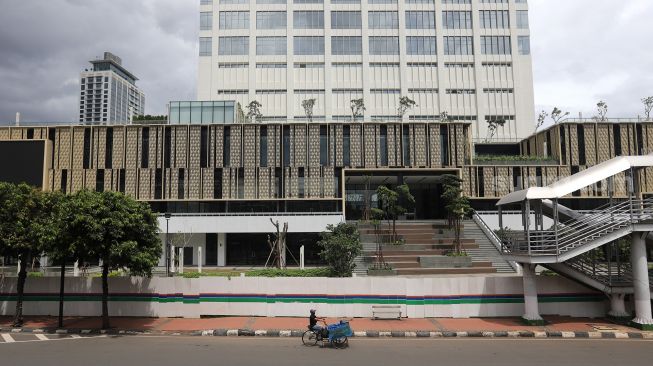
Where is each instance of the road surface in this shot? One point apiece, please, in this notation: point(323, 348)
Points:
point(28, 350)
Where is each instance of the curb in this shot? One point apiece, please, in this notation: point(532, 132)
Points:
point(273, 333)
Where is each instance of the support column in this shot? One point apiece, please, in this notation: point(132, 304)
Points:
point(531, 306)
point(618, 306)
point(643, 318)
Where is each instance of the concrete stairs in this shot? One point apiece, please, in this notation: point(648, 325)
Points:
point(428, 238)
point(486, 251)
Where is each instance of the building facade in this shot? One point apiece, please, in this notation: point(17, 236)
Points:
point(108, 92)
point(468, 58)
point(222, 182)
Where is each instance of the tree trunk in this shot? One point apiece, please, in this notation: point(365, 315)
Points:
point(394, 230)
point(105, 296)
point(62, 281)
point(22, 277)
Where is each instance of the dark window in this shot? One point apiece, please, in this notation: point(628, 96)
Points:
point(264, 146)
point(324, 146)
point(211, 249)
point(563, 145)
point(180, 184)
point(226, 146)
point(286, 146)
point(548, 143)
point(481, 182)
point(217, 183)
point(444, 145)
point(188, 256)
point(516, 178)
point(204, 147)
point(30, 133)
point(538, 175)
point(167, 142)
point(145, 147)
point(278, 183)
point(346, 145)
point(99, 181)
point(300, 182)
point(383, 145)
point(336, 181)
point(581, 145)
point(121, 184)
point(616, 132)
point(64, 181)
point(108, 156)
point(52, 133)
point(240, 184)
point(87, 148)
point(158, 184)
point(405, 145)
point(574, 170)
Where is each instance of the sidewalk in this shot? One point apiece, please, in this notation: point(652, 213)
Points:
point(257, 326)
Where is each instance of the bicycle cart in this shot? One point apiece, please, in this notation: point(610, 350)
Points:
point(337, 334)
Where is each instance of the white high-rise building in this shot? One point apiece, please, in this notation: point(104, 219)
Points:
point(109, 92)
point(468, 58)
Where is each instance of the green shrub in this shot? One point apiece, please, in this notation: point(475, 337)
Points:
point(192, 275)
point(340, 246)
point(273, 272)
point(35, 274)
point(515, 158)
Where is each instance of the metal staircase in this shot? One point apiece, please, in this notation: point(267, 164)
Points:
point(572, 238)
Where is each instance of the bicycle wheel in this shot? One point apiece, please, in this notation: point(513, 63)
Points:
point(309, 338)
point(341, 342)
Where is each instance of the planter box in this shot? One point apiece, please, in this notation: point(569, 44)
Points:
point(381, 272)
point(441, 261)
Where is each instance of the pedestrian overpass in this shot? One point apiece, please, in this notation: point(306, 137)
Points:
point(589, 246)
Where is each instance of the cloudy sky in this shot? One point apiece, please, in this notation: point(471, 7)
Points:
point(583, 51)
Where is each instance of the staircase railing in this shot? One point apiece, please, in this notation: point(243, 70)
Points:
point(575, 233)
point(607, 272)
point(492, 236)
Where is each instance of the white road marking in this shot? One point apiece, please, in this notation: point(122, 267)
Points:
point(7, 338)
point(4, 336)
point(42, 337)
point(75, 336)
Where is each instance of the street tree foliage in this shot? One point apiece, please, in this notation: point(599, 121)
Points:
point(308, 105)
point(557, 116)
point(392, 204)
point(445, 117)
point(22, 229)
point(648, 107)
point(340, 245)
point(118, 231)
point(457, 206)
point(357, 107)
point(405, 103)
point(254, 111)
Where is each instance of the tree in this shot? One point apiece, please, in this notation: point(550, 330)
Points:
point(308, 106)
point(541, 118)
point(492, 125)
point(602, 111)
point(357, 107)
point(117, 230)
point(648, 107)
point(340, 246)
point(58, 245)
point(278, 245)
point(254, 111)
point(394, 203)
point(445, 117)
point(405, 103)
point(558, 116)
point(22, 224)
point(457, 206)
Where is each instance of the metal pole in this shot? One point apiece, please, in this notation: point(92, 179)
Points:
point(527, 221)
point(167, 250)
point(556, 220)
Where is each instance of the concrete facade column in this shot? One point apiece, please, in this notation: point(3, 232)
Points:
point(618, 306)
point(531, 306)
point(641, 285)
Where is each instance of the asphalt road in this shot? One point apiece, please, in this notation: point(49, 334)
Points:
point(161, 351)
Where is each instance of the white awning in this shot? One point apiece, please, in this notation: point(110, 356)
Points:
point(579, 180)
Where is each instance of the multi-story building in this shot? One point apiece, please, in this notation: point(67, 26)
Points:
point(223, 181)
point(468, 58)
point(108, 92)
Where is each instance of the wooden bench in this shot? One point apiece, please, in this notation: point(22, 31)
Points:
point(386, 311)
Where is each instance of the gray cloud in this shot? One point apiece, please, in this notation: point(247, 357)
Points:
point(583, 51)
point(45, 44)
